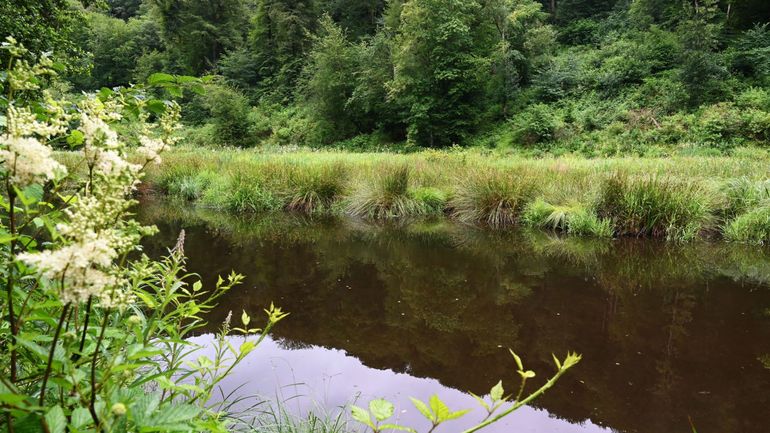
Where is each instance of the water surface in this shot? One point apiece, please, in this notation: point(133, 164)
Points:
point(668, 332)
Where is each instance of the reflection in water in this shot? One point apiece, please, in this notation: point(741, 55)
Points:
point(667, 332)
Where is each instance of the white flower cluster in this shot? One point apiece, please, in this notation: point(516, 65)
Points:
point(151, 149)
point(28, 161)
point(76, 267)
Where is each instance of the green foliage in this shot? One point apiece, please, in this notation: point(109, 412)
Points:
point(387, 195)
point(95, 334)
point(228, 112)
point(752, 226)
point(492, 197)
point(438, 413)
point(572, 219)
point(654, 206)
point(438, 62)
point(197, 33)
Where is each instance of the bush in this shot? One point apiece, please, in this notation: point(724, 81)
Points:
point(536, 124)
point(228, 113)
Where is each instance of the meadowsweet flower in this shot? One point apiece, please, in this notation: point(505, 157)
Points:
point(109, 163)
point(150, 149)
point(98, 133)
point(22, 122)
point(28, 161)
point(77, 267)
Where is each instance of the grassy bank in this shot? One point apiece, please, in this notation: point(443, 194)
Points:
point(679, 198)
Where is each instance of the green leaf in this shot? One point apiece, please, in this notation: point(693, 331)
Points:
point(529, 374)
point(156, 106)
point(481, 402)
point(159, 78)
point(556, 361)
point(75, 138)
point(56, 420)
point(423, 408)
point(361, 415)
point(518, 360)
point(381, 409)
point(457, 414)
point(497, 392)
point(80, 418)
point(439, 408)
point(245, 319)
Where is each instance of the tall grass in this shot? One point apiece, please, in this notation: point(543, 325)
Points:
point(677, 198)
point(656, 206)
point(386, 195)
point(492, 197)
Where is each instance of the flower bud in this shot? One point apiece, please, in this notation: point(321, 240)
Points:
point(118, 409)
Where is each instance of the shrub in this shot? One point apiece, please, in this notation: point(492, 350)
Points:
point(752, 226)
point(655, 206)
point(492, 197)
point(228, 113)
point(536, 124)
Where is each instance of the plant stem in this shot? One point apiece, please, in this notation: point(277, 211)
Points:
point(518, 404)
point(9, 286)
point(85, 328)
point(63, 316)
point(92, 402)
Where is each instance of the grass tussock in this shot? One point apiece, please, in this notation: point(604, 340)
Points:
point(387, 195)
point(492, 197)
point(678, 198)
point(574, 219)
point(314, 188)
point(752, 227)
point(656, 206)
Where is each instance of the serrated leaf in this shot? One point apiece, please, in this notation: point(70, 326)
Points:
point(55, 419)
point(439, 408)
point(245, 319)
point(423, 408)
point(381, 409)
point(80, 418)
point(361, 415)
point(456, 414)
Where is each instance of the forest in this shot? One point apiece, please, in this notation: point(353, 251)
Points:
point(594, 77)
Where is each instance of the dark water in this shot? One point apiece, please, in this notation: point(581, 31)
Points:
point(667, 332)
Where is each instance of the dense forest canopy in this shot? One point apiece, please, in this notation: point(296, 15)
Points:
point(581, 75)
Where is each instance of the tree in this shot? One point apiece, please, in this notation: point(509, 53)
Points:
point(43, 25)
point(438, 63)
point(198, 32)
point(357, 17)
point(328, 85)
point(279, 41)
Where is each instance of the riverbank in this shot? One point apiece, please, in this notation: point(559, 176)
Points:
point(677, 198)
